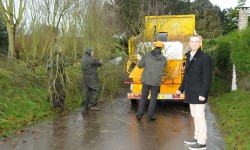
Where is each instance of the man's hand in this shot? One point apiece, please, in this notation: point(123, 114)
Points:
point(139, 56)
point(178, 92)
point(201, 98)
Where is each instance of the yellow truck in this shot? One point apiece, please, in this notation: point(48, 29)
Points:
point(174, 31)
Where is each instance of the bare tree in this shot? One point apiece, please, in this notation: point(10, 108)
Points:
point(54, 11)
point(12, 18)
point(75, 24)
point(43, 20)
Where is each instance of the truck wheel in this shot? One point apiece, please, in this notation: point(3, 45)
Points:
point(185, 104)
point(160, 102)
point(134, 101)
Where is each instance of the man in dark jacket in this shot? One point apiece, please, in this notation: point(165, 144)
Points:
point(91, 90)
point(196, 84)
point(153, 64)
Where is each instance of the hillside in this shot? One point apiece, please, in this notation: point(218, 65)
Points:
point(23, 95)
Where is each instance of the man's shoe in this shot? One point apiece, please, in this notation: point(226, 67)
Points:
point(197, 146)
point(95, 109)
point(151, 119)
point(192, 141)
point(86, 108)
point(138, 117)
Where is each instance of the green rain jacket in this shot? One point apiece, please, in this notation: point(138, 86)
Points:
point(89, 66)
point(153, 64)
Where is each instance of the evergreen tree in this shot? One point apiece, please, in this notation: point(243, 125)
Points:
point(3, 36)
point(207, 18)
point(241, 3)
point(174, 7)
point(229, 20)
point(132, 12)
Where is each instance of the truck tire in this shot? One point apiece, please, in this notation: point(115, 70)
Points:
point(134, 101)
point(160, 102)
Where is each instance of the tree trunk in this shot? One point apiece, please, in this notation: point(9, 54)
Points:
point(11, 35)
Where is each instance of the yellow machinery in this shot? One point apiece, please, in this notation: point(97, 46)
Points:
point(174, 31)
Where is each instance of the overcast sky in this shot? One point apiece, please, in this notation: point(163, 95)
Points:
point(228, 3)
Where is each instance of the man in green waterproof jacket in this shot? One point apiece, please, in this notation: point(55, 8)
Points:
point(91, 88)
point(153, 63)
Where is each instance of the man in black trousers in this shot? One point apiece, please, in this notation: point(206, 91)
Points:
point(153, 63)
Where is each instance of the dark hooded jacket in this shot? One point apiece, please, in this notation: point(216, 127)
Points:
point(153, 64)
point(197, 77)
point(89, 66)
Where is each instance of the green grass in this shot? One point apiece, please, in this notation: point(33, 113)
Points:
point(232, 113)
point(23, 95)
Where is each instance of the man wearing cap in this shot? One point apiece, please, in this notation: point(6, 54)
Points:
point(153, 63)
point(91, 89)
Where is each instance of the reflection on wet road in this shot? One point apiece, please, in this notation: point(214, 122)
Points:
point(115, 128)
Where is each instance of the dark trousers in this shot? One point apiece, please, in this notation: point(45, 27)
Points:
point(90, 96)
point(154, 94)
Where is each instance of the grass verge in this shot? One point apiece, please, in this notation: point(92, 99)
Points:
point(23, 95)
point(232, 113)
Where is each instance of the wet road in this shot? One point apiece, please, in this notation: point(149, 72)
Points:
point(115, 128)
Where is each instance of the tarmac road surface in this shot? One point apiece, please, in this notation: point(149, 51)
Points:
point(115, 128)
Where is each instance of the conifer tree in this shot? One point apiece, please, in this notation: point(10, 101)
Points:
point(207, 18)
